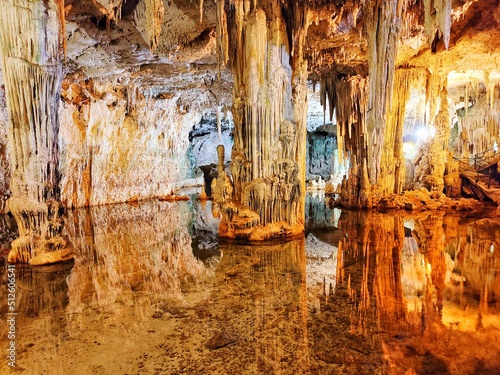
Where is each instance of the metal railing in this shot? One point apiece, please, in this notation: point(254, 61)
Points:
point(480, 163)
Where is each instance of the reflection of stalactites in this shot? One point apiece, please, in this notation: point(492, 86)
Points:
point(364, 299)
point(277, 290)
point(381, 274)
point(431, 243)
point(384, 278)
point(40, 291)
point(340, 264)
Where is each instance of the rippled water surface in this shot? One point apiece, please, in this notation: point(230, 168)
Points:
point(153, 290)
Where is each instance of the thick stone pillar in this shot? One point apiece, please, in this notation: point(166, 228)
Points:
point(263, 45)
point(30, 38)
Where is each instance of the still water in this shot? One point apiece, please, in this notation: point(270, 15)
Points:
point(153, 290)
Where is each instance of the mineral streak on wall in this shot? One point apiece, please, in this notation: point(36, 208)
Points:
point(31, 53)
point(263, 45)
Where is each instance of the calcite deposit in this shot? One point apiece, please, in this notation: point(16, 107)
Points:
point(103, 99)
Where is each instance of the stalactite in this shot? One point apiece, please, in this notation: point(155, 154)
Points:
point(264, 50)
point(405, 80)
point(32, 69)
point(62, 23)
point(201, 11)
point(478, 118)
point(219, 127)
point(381, 29)
point(438, 21)
point(155, 12)
point(433, 155)
point(347, 95)
point(112, 9)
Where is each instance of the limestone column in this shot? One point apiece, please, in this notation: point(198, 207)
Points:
point(31, 50)
point(262, 43)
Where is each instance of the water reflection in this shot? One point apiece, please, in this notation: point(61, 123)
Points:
point(153, 290)
point(427, 290)
point(123, 249)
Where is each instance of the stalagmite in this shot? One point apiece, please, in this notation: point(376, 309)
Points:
point(264, 49)
point(31, 57)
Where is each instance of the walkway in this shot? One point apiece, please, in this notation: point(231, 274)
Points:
point(481, 174)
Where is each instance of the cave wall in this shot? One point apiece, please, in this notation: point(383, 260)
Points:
point(108, 155)
point(319, 157)
point(121, 143)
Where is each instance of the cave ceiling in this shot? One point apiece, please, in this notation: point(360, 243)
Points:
point(108, 38)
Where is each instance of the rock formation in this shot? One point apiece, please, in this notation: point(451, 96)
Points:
point(116, 87)
point(263, 44)
point(31, 39)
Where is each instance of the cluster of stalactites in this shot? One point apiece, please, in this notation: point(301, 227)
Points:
point(30, 33)
point(438, 21)
point(291, 15)
point(21, 22)
point(262, 43)
point(479, 118)
point(347, 96)
point(155, 12)
point(257, 50)
point(32, 72)
point(112, 9)
point(406, 81)
point(382, 23)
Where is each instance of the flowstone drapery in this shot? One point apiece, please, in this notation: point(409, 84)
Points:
point(31, 48)
point(263, 45)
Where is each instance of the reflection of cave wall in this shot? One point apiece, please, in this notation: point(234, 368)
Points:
point(320, 147)
point(41, 291)
point(477, 258)
point(318, 215)
point(122, 249)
